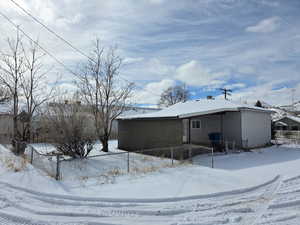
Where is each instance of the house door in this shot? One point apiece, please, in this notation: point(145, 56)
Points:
point(186, 131)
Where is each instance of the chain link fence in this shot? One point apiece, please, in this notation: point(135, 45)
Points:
point(104, 165)
point(287, 137)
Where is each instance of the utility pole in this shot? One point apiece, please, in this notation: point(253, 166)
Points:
point(226, 92)
point(293, 98)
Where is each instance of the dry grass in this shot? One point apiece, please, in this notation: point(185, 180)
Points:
point(15, 164)
point(154, 168)
point(147, 158)
point(114, 172)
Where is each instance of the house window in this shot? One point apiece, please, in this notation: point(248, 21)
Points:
point(196, 124)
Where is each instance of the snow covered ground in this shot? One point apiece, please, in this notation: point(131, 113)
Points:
point(260, 187)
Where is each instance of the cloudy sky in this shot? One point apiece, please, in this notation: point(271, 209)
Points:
point(250, 46)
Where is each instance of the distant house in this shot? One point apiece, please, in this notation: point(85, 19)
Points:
point(293, 108)
point(41, 123)
point(192, 122)
point(6, 123)
point(288, 123)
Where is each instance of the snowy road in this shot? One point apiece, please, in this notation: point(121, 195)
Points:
point(275, 202)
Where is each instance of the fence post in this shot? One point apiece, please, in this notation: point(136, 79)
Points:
point(190, 154)
point(57, 177)
point(172, 156)
point(31, 157)
point(128, 168)
point(233, 146)
point(226, 146)
point(212, 157)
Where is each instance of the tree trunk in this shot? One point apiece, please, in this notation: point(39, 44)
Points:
point(104, 141)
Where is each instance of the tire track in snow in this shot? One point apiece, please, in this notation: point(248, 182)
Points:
point(231, 207)
point(267, 199)
point(285, 207)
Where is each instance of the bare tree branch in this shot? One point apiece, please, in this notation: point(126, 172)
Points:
point(12, 69)
point(70, 128)
point(99, 86)
point(173, 95)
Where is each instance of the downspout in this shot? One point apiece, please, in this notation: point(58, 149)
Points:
point(221, 126)
point(241, 127)
point(189, 131)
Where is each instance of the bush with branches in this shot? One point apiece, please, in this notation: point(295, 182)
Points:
point(71, 129)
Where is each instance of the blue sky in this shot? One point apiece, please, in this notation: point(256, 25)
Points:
point(251, 46)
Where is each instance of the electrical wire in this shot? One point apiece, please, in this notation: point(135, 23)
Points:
point(69, 43)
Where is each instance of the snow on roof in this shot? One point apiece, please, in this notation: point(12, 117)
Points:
point(295, 107)
point(196, 108)
point(138, 111)
point(294, 118)
point(279, 123)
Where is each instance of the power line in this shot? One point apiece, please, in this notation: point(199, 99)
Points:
point(50, 30)
point(51, 55)
point(68, 43)
point(41, 47)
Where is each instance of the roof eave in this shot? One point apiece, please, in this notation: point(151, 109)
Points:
point(149, 118)
point(208, 112)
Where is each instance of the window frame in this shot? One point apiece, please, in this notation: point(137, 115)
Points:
point(196, 124)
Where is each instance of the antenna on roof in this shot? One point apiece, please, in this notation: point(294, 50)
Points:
point(226, 92)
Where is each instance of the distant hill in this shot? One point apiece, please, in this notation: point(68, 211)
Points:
point(281, 111)
point(294, 108)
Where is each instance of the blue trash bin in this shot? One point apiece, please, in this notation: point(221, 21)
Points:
point(215, 139)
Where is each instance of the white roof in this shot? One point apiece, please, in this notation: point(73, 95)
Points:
point(295, 118)
point(280, 123)
point(196, 108)
point(138, 111)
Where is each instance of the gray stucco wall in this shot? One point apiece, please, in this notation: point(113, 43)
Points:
point(146, 134)
point(228, 123)
point(232, 127)
point(209, 124)
point(256, 128)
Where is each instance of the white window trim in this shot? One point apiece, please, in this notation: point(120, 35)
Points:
point(194, 122)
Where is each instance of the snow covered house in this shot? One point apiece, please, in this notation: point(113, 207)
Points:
point(288, 122)
point(191, 122)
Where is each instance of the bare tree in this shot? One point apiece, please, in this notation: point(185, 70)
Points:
point(34, 85)
point(12, 68)
point(258, 104)
point(71, 128)
point(4, 95)
point(101, 89)
point(173, 95)
point(23, 80)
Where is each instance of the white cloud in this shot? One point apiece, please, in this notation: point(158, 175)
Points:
point(156, 1)
point(153, 52)
point(129, 60)
point(147, 69)
point(151, 92)
point(155, 66)
point(235, 85)
point(267, 93)
point(266, 25)
point(194, 74)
